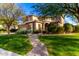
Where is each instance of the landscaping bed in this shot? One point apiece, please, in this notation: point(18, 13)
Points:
point(16, 43)
point(61, 45)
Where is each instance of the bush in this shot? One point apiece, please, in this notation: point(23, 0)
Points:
point(60, 30)
point(37, 31)
point(73, 28)
point(68, 28)
point(21, 31)
point(13, 30)
point(76, 28)
point(2, 30)
point(52, 28)
point(44, 32)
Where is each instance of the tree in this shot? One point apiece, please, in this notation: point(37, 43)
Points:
point(46, 9)
point(72, 8)
point(9, 14)
point(25, 18)
point(58, 9)
point(55, 11)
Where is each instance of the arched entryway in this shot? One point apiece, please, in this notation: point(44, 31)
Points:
point(46, 26)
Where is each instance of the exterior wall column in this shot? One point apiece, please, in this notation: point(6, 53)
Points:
point(43, 26)
point(33, 26)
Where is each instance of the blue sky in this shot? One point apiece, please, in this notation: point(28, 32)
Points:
point(28, 10)
point(26, 7)
point(71, 20)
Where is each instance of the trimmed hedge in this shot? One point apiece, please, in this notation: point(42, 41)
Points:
point(76, 28)
point(52, 28)
point(2, 29)
point(13, 30)
point(36, 31)
point(60, 30)
point(21, 31)
point(68, 28)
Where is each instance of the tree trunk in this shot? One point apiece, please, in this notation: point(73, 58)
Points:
point(8, 30)
point(77, 18)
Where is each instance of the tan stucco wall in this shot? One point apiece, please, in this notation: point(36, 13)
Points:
point(37, 26)
point(35, 18)
point(47, 20)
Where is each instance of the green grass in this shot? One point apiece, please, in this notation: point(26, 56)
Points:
point(15, 43)
point(61, 45)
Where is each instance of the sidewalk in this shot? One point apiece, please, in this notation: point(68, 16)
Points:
point(7, 53)
point(39, 48)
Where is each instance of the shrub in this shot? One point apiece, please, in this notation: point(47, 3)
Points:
point(22, 31)
point(68, 28)
point(76, 28)
point(13, 30)
point(73, 28)
point(52, 28)
point(60, 30)
point(44, 32)
point(36, 31)
point(2, 29)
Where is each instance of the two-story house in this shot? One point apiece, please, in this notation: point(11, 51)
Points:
point(37, 23)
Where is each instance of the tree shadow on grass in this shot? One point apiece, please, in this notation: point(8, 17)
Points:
point(15, 43)
point(61, 45)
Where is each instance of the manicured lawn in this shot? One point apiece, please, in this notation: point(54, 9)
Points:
point(62, 45)
point(15, 43)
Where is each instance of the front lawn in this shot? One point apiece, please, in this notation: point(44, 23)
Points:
point(61, 45)
point(15, 43)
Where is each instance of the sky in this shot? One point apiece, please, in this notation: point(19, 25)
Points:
point(71, 20)
point(28, 10)
point(26, 7)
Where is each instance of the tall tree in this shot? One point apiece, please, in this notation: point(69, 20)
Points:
point(58, 9)
point(9, 14)
point(46, 9)
point(72, 8)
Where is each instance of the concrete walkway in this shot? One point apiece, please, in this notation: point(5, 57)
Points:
point(7, 53)
point(38, 48)
point(4, 52)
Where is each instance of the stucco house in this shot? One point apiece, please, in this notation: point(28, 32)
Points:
point(37, 23)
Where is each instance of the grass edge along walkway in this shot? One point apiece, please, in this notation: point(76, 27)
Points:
point(39, 48)
point(16, 43)
point(61, 45)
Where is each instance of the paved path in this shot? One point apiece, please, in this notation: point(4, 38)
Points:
point(7, 53)
point(38, 48)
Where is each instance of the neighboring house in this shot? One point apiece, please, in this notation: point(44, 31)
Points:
point(37, 23)
point(14, 27)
